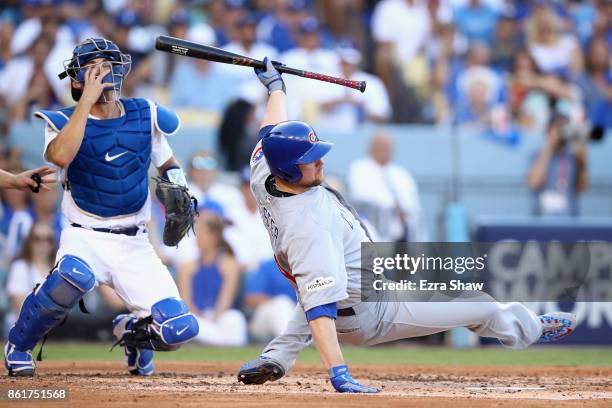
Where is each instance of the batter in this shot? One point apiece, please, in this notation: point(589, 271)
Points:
point(316, 237)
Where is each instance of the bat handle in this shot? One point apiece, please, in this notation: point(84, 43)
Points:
point(359, 85)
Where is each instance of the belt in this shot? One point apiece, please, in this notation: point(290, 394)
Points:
point(130, 231)
point(349, 311)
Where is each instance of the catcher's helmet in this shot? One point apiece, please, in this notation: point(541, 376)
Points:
point(93, 48)
point(289, 144)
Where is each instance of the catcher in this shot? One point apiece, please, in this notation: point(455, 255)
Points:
point(103, 147)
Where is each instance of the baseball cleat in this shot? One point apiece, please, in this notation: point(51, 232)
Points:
point(260, 370)
point(139, 361)
point(557, 325)
point(18, 363)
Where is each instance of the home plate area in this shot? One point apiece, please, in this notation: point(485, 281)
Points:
point(105, 384)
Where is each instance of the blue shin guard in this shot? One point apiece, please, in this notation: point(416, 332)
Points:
point(44, 309)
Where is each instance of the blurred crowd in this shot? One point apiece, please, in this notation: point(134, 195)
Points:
point(502, 67)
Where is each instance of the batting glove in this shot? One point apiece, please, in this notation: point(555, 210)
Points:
point(270, 77)
point(342, 381)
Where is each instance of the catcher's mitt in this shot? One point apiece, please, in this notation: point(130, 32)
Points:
point(180, 210)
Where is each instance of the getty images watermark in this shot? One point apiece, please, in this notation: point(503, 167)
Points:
point(412, 264)
point(505, 271)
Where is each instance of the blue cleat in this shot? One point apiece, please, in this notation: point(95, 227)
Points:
point(139, 361)
point(557, 325)
point(18, 363)
point(260, 370)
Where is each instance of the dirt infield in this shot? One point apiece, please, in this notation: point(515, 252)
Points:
point(104, 384)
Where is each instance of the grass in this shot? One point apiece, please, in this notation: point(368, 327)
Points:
point(406, 355)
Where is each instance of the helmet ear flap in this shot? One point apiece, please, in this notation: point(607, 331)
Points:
point(282, 174)
point(288, 177)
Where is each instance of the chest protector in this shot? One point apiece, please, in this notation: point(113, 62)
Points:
point(108, 177)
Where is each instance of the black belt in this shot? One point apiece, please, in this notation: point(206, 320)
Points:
point(130, 231)
point(349, 311)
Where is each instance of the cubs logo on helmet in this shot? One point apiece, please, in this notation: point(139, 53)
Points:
point(257, 154)
point(312, 137)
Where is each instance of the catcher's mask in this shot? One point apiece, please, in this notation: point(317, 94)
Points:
point(91, 49)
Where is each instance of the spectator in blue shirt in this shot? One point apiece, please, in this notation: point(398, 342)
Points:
point(508, 41)
point(477, 22)
point(202, 85)
point(279, 27)
point(198, 83)
point(596, 83)
point(210, 284)
point(582, 15)
point(272, 299)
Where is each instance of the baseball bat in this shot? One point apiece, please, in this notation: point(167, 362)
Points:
point(192, 49)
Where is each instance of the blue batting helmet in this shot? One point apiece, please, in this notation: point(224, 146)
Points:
point(289, 144)
point(91, 49)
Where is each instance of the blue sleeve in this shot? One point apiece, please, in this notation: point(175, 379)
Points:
point(264, 131)
point(329, 310)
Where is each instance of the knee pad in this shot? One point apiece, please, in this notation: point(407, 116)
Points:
point(49, 304)
point(169, 326)
point(70, 280)
point(173, 323)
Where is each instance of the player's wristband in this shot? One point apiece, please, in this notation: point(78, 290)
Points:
point(329, 310)
point(175, 175)
point(341, 380)
point(338, 370)
point(277, 85)
point(36, 177)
